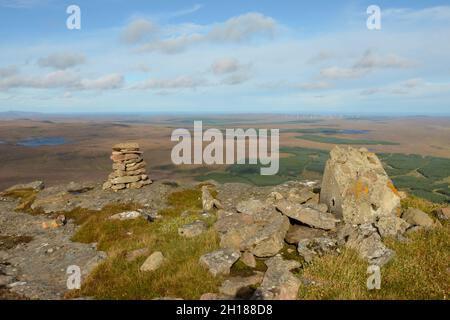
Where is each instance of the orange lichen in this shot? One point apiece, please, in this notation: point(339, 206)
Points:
point(360, 188)
point(393, 188)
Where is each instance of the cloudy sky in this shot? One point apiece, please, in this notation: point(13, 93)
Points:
point(225, 56)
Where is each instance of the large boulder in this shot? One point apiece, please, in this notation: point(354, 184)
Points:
point(356, 187)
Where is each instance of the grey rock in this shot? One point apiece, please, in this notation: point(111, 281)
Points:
point(35, 185)
point(250, 206)
point(248, 259)
point(193, 229)
point(279, 283)
point(74, 187)
point(127, 215)
point(219, 262)
point(240, 287)
point(309, 216)
point(355, 186)
point(297, 233)
point(391, 226)
point(208, 201)
point(367, 242)
point(417, 217)
point(153, 262)
point(300, 195)
point(269, 239)
point(316, 247)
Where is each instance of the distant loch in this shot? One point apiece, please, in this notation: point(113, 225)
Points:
point(41, 141)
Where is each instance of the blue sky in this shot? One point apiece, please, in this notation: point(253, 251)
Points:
point(225, 56)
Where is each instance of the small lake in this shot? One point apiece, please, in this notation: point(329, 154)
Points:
point(41, 141)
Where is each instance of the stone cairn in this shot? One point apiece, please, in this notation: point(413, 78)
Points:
point(129, 168)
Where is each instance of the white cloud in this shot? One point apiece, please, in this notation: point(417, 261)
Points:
point(22, 4)
point(8, 71)
point(313, 85)
point(243, 28)
point(187, 11)
point(181, 82)
point(437, 13)
point(322, 56)
point(236, 78)
point(139, 30)
point(366, 64)
point(107, 82)
point(371, 61)
point(62, 61)
point(236, 30)
point(342, 73)
point(225, 65)
point(61, 79)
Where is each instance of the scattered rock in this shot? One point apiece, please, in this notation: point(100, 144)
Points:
point(74, 187)
point(193, 229)
point(268, 240)
point(251, 206)
point(35, 185)
point(153, 262)
point(391, 226)
point(367, 242)
point(133, 255)
point(317, 247)
point(274, 195)
point(208, 201)
point(446, 212)
point(309, 216)
point(356, 186)
point(219, 262)
point(300, 196)
point(213, 296)
point(297, 233)
point(127, 215)
point(240, 287)
point(417, 217)
point(279, 283)
point(443, 214)
point(248, 259)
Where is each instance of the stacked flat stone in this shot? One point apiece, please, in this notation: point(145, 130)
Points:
point(129, 168)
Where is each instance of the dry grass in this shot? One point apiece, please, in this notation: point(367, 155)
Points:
point(420, 269)
point(180, 276)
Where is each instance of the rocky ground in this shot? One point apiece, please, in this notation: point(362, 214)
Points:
point(34, 258)
point(356, 206)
